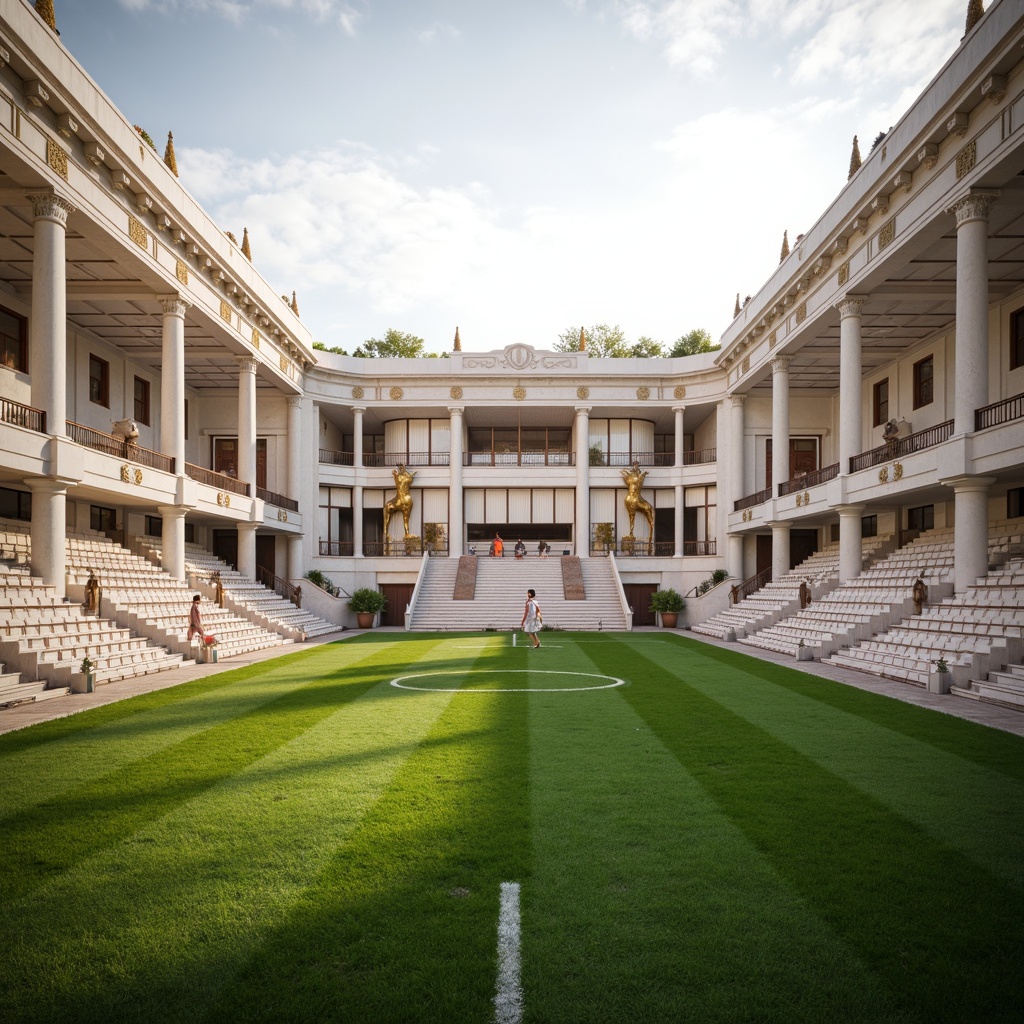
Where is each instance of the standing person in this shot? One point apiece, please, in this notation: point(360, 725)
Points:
point(195, 619)
point(543, 548)
point(497, 546)
point(520, 549)
point(532, 619)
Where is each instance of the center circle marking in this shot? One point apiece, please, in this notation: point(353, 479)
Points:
point(399, 682)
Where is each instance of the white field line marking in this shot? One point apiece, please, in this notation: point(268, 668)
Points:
point(399, 681)
point(508, 997)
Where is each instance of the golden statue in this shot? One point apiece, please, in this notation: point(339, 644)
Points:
point(401, 502)
point(635, 501)
point(93, 593)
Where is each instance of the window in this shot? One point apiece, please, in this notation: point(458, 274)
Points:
point(13, 341)
point(921, 518)
point(15, 504)
point(923, 377)
point(1015, 503)
point(869, 526)
point(142, 401)
point(880, 403)
point(154, 526)
point(102, 519)
point(99, 381)
point(186, 419)
point(1017, 339)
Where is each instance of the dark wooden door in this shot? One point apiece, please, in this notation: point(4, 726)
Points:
point(764, 552)
point(266, 551)
point(638, 597)
point(225, 546)
point(398, 595)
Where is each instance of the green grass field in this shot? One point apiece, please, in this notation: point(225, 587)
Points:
point(717, 840)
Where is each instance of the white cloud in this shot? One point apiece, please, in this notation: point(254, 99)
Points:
point(438, 30)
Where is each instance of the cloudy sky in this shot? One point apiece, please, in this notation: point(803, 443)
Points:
point(513, 167)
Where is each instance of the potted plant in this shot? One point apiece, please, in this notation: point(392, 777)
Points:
point(939, 681)
point(90, 677)
point(366, 602)
point(668, 603)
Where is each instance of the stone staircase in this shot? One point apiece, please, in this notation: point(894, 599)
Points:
point(500, 595)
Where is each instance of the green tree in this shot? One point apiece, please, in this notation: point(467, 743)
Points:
point(697, 340)
point(646, 348)
point(394, 343)
point(602, 340)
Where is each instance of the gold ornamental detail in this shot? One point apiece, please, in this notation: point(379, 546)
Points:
point(225, 311)
point(844, 274)
point(519, 392)
point(887, 233)
point(803, 499)
point(126, 473)
point(282, 515)
point(255, 338)
point(680, 391)
point(643, 393)
point(284, 364)
point(456, 392)
point(748, 514)
point(181, 271)
point(582, 392)
point(883, 475)
point(897, 471)
point(137, 233)
point(966, 159)
point(396, 394)
point(224, 499)
point(57, 158)
point(357, 392)
point(801, 312)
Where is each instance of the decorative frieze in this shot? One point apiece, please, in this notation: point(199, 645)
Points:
point(844, 274)
point(887, 233)
point(255, 338)
point(643, 393)
point(801, 312)
point(455, 392)
point(225, 311)
point(181, 271)
point(966, 159)
point(680, 391)
point(224, 499)
point(519, 392)
point(396, 394)
point(583, 392)
point(357, 391)
point(57, 158)
point(138, 233)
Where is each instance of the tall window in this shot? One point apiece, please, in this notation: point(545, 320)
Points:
point(142, 401)
point(1017, 339)
point(880, 403)
point(924, 371)
point(99, 381)
point(13, 341)
point(1015, 503)
point(921, 518)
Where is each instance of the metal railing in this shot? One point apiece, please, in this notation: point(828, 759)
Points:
point(1006, 411)
point(519, 458)
point(280, 587)
point(118, 447)
point(221, 481)
point(331, 458)
point(337, 548)
point(700, 547)
point(752, 499)
point(902, 446)
point(375, 459)
point(700, 458)
point(818, 476)
point(22, 415)
point(272, 498)
point(391, 549)
point(750, 585)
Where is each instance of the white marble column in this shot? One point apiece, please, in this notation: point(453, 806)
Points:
point(247, 425)
point(780, 550)
point(970, 532)
point(47, 532)
point(357, 436)
point(736, 480)
point(456, 524)
point(295, 448)
point(680, 436)
point(296, 567)
point(172, 540)
point(582, 528)
point(679, 521)
point(850, 541)
point(247, 549)
point(357, 520)
point(971, 307)
point(780, 422)
point(48, 322)
point(172, 380)
point(850, 386)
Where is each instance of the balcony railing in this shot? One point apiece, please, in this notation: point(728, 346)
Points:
point(700, 547)
point(700, 458)
point(22, 415)
point(336, 458)
point(799, 483)
point(221, 481)
point(271, 498)
point(374, 459)
point(902, 447)
point(118, 447)
point(337, 548)
point(519, 459)
point(993, 415)
point(753, 499)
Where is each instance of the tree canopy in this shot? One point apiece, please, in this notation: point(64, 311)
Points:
point(394, 344)
point(611, 343)
point(697, 340)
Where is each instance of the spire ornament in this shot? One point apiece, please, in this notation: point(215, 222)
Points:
point(736, 308)
point(44, 8)
point(975, 10)
point(785, 247)
point(169, 157)
point(457, 345)
point(855, 160)
point(246, 250)
point(583, 341)
point(295, 304)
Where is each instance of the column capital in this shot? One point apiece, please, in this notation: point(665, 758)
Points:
point(679, 408)
point(173, 305)
point(50, 206)
point(966, 482)
point(974, 205)
point(358, 410)
point(850, 305)
point(780, 364)
point(737, 400)
point(295, 401)
point(583, 409)
point(850, 510)
point(247, 364)
point(456, 410)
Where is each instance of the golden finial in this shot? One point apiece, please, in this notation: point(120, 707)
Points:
point(457, 347)
point(583, 341)
point(854, 159)
point(169, 158)
point(785, 246)
point(231, 235)
point(295, 304)
point(44, 8)
point(975, 10)
point(246, 251)
point(736, 310)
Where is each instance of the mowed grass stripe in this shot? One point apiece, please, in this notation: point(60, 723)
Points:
point(975, 808)
point(155, 926)
point(899, 897)
point(648, 904)
point(92, 743)
point(43, 840)
point(401, 927)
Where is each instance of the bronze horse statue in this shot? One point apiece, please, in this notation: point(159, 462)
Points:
point(635, 501)
point(401, 502)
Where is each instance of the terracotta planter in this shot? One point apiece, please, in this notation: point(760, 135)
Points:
point(365, 619)
point(669, 619)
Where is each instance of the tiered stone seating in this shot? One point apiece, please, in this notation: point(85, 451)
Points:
point(141, 596)
point(45, 639)
point(269, 607)
point(879, 596)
